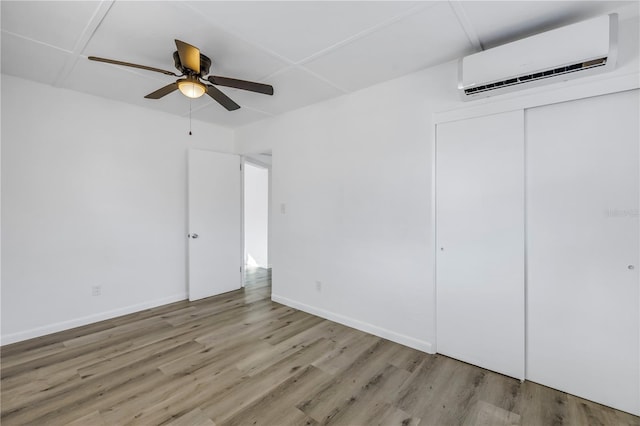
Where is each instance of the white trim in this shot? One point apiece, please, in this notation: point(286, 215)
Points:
point(241, 166)
point(90, 319)
point(434, 236)
point(269, 217)
point(402, 339)
point(255, 162)
point(243, 248)
point(526, 244)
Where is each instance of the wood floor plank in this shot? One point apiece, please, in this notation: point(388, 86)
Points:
point(92, 393)
point(409, 359)
point(94, 419)
point(218, 356)
point(486, 414)
point(241, 359)
point(111, 333)
point(194, 417)
point(167, 403)
point(456, 400)
point(42, 387)
point(381, 414)
point(55, 338)
point(243, 329)
point(269, 409)
point(349, 347)
point(542, 404)
point(269, 354)
point(377, 392)
point(331, 398)
point(55, 377)
point(427, 390)
point(11, 360)
point(499, 391)
point(292, 327)
point(77, 356)
point(231, 401)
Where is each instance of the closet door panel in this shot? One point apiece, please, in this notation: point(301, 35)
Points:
point(583, 321)
point(480, 241)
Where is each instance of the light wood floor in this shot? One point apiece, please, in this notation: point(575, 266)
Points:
point(241, 359)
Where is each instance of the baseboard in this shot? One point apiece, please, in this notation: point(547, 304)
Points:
point(78, 322)
point(411, 342)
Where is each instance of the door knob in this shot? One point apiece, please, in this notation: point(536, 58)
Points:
point(192, 236)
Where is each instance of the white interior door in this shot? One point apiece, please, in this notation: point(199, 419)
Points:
point(215, 218)
point(480, 241)
point(582, 226)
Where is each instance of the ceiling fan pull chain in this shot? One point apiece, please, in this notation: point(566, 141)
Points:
point(189, 117)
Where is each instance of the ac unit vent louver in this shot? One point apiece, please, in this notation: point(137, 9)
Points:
point(580, 49)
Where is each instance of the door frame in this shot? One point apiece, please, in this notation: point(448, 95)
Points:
point(246, 159)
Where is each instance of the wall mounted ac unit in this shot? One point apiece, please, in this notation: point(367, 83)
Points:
point(577, 50)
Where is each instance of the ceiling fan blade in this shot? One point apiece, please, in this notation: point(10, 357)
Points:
point(221, 98)
point(128, 64)
point(242, 84)
point(164, 91)
point(189, 56)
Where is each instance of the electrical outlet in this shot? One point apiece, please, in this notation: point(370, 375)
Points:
point(96, 290)
point(318, 286)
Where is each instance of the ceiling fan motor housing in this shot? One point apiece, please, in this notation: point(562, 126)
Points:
point(205, 65)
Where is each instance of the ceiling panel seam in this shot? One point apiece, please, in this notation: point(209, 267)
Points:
point(268, 51)
point(319, 77)
point(367, 31)
point(258, 111)
point(86, 36)
point(466, 25)
point(33, 40)
point(308, 71)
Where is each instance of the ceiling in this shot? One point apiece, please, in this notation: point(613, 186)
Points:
point(309, 51)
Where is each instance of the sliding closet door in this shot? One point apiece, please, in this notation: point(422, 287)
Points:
point(582, 249)
point(480, 241)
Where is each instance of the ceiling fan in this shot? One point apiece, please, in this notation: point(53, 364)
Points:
point(194, 66)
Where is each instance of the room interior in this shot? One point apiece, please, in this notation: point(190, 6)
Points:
point(380, 173)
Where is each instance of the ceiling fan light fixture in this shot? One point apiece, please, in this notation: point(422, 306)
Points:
point(192, 88)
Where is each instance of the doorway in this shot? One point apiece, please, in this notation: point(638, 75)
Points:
point(256, 217)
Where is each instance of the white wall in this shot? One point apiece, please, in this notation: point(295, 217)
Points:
point(355, 176)
point(93, 193)
point(256, 214)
